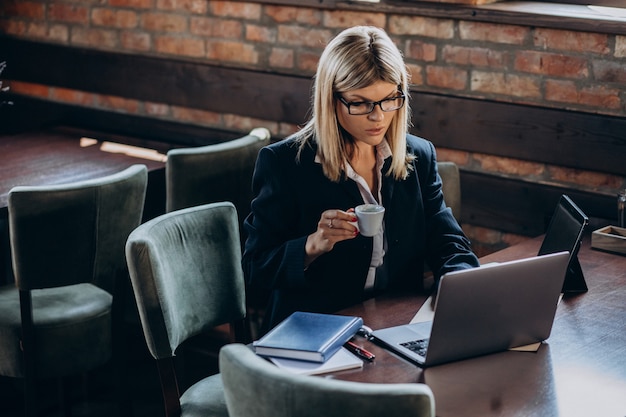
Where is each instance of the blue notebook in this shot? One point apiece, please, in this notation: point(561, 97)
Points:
point(311, 337)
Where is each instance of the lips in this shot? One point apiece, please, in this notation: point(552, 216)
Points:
point(375, 131)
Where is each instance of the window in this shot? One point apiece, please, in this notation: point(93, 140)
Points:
point(606, 3)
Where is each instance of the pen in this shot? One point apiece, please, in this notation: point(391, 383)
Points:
point(359, 351)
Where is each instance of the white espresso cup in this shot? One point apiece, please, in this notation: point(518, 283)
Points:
point(369, 218)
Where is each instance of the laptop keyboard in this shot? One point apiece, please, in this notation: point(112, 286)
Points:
point(417, 346)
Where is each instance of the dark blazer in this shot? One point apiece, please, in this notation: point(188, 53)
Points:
point(289, 197)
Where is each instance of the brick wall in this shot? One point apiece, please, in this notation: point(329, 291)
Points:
point(580, 71)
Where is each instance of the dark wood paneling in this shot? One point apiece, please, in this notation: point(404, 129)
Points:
point(183, 83)
point(566, 138)
point(523, 207)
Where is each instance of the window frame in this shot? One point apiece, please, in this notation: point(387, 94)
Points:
point(606, 3)
point(554, 14)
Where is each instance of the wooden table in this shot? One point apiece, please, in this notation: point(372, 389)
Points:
point(579, 371)
point(66, 155)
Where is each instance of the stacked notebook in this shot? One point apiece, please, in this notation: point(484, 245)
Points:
point(311, 343)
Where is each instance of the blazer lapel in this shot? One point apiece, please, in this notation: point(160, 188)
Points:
point(388, 183)
point(352, 189)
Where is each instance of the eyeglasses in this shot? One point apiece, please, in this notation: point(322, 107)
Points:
point(366, 107)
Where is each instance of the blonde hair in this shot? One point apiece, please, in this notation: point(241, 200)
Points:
point(356, 58)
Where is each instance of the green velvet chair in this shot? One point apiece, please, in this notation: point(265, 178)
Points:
point(256, 388)
point(212, 173)
point(67, 248)
point(185, 269)
point(451, 184)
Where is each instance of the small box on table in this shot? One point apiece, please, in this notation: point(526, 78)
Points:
point(609, 238)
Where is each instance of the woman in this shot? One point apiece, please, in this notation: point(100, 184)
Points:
point(302, 244)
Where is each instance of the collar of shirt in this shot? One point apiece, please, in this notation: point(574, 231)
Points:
point(383, 151)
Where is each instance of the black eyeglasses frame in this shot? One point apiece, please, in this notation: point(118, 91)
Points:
point(348, 104)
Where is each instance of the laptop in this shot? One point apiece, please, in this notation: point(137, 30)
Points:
point(564, 234)
point(484, 310)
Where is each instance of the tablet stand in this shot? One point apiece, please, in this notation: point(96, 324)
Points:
point(574, 277)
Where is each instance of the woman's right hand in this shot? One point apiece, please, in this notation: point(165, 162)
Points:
point(333, 226)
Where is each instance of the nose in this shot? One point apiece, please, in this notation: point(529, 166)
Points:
point(377, 113)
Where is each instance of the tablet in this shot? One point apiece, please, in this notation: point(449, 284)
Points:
point(564, 234)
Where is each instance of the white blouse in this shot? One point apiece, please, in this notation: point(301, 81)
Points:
point(383, 151)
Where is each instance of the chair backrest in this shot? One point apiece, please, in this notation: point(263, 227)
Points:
point(208, 174)
point(451, 183)
point(255, 388)
point(185, 269)
point(75, 233)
